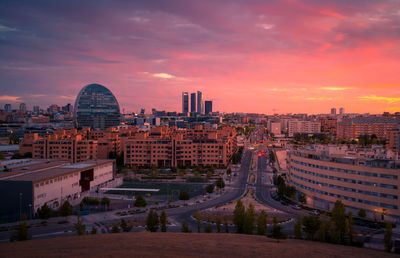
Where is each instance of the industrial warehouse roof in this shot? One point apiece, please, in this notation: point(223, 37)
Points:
point(39, 170)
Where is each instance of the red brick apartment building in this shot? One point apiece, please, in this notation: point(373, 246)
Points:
point(160, 146)
point(380, 126)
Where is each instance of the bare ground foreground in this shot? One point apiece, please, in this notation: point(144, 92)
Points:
point(147, 244)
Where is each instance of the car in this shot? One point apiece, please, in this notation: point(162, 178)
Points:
point(296, 207)
point(314, 212)
point(284, 203)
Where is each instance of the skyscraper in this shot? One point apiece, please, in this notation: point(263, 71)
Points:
point(208, 107)
point(22, 107)
point(185, 102)
point(333, 111)
point(96, 107)
point(193, 103)
point(7, 107)
point(341, 111)
point(36, 110)
point(200, 104)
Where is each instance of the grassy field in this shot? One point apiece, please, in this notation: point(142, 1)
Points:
point(147, 244)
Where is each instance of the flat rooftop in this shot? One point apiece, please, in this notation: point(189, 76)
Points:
point(38, 170)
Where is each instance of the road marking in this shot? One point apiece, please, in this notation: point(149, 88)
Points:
point(49, 234)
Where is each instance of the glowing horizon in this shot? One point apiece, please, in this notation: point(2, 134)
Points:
point(247, 56)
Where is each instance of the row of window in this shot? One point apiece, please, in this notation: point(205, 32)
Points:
point(389, 196)
point(343, 197)
point(347, 171)
point(353, 181)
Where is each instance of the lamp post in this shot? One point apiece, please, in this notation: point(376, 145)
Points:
point(20, 203)
point(30, 211)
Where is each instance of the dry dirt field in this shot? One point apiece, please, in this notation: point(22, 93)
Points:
point(147, 244)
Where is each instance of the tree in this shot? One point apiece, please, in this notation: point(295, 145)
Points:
point(362, 213)
point(1, 155)
point(185, 227)
point(94, 230)
point(322, 231)
point(125, 227)
point(229, 171)
point(80, 227)
point(220, 183)
point(184, 195)
point(114, 228)
point(349, 230)
point(140, 201)
point(208, 228)
point(302, 198)
point(218, 224)
point(311, 225)
point(22, 231)
point(249, 218)
point(262, 223)
point(152, 221)
point(44, 212)
point(210, 188)
point(297, 228)
point(65, 209)
point(105, 202)
point(277, 229)
point(209, 174)
point(339, 218)
point(388, 237)
point(197, 216)
point(163, 221)
point(226, 224)
point(238, 217)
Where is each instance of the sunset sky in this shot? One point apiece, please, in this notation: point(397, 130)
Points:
point(247, 56)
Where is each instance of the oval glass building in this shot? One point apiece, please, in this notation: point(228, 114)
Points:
point(96, 107)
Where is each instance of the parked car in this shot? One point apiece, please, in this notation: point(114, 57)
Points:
point(314, 212)
point(296, 207)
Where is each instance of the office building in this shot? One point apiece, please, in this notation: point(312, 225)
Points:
point(200, 105)
point(361, 178)
point(96, 107)
point(27, 184)
point(208, 107)
point(193, 103)
point(185, 103)
point(7, 107)
point(36, 110)
point(22, 107)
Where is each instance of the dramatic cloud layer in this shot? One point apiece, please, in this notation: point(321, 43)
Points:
point(250, 56)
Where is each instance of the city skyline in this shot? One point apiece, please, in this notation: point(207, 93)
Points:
point(262, 57)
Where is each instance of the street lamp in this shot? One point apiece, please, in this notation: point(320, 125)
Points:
point(30, 211)
point(20, 203)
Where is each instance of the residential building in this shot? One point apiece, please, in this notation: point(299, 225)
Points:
point(352, 128)
point(366, 179)
point(301, 127)
point(188, 147)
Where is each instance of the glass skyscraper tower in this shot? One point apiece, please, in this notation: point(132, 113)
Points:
point(96, 107)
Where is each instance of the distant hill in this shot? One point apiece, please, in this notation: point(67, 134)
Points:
point(147, 244)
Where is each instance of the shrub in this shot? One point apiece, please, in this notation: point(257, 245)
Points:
point(140, 201)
